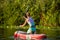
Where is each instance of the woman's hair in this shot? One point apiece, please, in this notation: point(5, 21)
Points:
point(26, 14)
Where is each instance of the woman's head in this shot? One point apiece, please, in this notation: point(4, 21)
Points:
point(27, 15)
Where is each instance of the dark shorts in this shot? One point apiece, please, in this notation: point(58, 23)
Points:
point(33, 28)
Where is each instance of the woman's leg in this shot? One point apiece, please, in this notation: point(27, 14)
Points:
point(28, 36)
point(29, 31)
point(33, 30)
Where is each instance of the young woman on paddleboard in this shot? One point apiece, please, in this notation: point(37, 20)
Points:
point(30, 21)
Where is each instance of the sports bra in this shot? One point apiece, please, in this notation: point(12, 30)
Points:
point(31, 22)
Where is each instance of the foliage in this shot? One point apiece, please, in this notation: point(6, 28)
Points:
point(44, 12)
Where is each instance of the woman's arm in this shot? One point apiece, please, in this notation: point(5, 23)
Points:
point(23, 24)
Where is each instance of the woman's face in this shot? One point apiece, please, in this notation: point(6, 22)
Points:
point(27, 14)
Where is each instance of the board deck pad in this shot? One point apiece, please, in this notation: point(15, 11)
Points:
point(25, 36)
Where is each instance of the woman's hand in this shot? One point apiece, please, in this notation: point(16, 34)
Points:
point(21, 25)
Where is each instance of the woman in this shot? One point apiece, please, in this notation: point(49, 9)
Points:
point(30, 21)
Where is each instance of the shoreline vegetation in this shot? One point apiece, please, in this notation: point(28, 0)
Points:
point(38, 27)
point(25, 28)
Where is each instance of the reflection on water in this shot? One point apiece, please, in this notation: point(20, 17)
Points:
point(7, 34)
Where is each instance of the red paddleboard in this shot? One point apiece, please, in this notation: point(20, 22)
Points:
point(24, 36)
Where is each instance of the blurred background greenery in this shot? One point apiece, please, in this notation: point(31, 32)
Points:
point(44, 12)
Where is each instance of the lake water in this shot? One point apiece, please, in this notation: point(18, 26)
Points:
point(7, 34)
